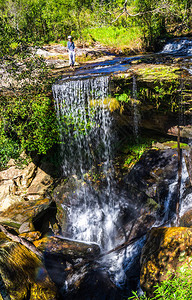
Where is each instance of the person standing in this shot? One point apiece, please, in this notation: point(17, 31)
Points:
point(71, 50)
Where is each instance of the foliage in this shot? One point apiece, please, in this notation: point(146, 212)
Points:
point(30, 121)
point(124, 98)
point(174, 287)
point(135, 149)
point(112, 23)
point(163, 94)
point(9, 148)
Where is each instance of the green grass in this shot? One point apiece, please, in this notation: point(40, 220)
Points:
point(176, 287)
point(120, 38)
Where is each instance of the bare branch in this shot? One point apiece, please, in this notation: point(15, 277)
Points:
point(22, 241)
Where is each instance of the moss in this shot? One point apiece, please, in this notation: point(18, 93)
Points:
point(23, 273)
point(110, 103)
point(158, 72)
point(171, 145)
point(152, 203)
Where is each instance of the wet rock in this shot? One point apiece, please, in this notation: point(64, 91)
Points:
point(61, 194)
point(166, 249)
point(92, 285)
point(148, 181)
point(67, 247)
point(186, 219)
point(23, 274)
point(31, 215)
point(31, 236)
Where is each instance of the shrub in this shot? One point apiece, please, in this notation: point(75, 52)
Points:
point(177, 287)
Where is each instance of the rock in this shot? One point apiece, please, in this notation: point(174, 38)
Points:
point(16, 184)
point(148, 181)
point(31, 236)
point(31, 215)
point(46, 53)
point(93, 284)
point(66, 247)
point(186, 219)
point(11, 163)
point(39, 185)
point(23, 274)
point(185, 131)
point(61, 195)
point(26, 227)
point(166, 249)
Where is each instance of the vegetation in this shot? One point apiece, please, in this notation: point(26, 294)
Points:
point(134, 149)
point(174, 287)
point(27, 116)
point(116, 23)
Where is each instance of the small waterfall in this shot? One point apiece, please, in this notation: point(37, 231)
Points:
point(136, 116)
point(168, 212)
point(186, 202)
point(178, 47)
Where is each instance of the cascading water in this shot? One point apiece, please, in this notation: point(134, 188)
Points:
point(86, 136)
point(178, 47)
point(83, 126)
point(87, 142)
point(136, 116)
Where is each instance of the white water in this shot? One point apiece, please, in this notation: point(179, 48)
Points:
point(178, 46)
point(136, 116)
point(93, 214)
point(168, 215)
point(186, 201)
point(86, 143)
point(85, 123)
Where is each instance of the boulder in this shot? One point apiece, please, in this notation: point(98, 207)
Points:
point(31, 215)
point(67, 247)
point(31, 236)
point(186, 219)
point(61, 195)
point(166, 249)
point(23, 275)
point(16, 184)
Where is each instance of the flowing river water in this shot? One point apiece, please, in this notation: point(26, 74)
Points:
point(88, 139)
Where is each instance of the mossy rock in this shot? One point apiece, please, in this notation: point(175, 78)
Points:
point(30, 215)
point(186, 219)
point(170, 145)
point(23, 273)
point(158, 72)
point(166, 250)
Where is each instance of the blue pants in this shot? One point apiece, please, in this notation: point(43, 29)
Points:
point(71, 58)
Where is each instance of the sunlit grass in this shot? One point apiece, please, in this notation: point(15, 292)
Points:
point(120, 38)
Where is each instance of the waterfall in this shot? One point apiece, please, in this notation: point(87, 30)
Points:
point(136, 115)
point(178, 47)
point(87, 139)
point(168, 212)
point(85, 123)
